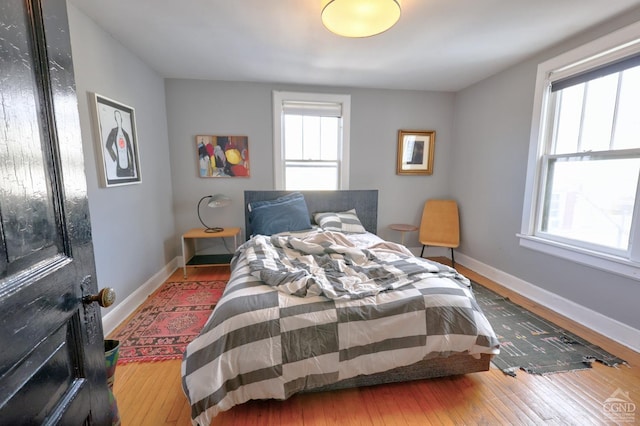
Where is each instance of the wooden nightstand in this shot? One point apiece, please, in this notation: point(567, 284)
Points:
point(189, 255)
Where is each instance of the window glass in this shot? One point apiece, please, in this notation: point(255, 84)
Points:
point(330, 131)
point(599, 109)
point(310, 138)
point(293, 137)
point(313, 176)
point(569, 119)
point(582, 204)
point(627, 130)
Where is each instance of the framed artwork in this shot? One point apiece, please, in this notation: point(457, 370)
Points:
point(415, 152)
point(116, 142)
point(222, 156)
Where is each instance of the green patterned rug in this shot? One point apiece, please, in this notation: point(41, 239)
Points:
point(533, 344)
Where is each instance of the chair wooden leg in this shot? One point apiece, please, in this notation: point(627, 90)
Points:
point(422, 252)
point(453, 260)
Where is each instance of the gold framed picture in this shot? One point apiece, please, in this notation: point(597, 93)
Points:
point(415, 152)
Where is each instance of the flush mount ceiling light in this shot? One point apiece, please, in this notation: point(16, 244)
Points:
point(360, 18)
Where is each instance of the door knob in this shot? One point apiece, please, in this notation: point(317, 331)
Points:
point(105, 297)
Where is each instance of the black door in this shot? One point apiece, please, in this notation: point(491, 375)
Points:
point(52, 367)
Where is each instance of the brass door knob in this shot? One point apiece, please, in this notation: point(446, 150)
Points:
point(105, 297)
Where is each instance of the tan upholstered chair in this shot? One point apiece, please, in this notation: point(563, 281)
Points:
point(440, 225)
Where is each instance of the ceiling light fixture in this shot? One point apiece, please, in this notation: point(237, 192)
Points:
point(360, 18)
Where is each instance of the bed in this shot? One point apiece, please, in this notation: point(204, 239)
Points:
point(322, 303)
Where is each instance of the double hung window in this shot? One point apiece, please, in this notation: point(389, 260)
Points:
point(584, 167)
point(311, 141)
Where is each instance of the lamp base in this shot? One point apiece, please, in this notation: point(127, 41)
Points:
point(213, 230)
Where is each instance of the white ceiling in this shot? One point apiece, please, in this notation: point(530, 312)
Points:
point(437, 44)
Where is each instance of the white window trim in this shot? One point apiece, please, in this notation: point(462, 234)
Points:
point(278, 99)
point(624, 41)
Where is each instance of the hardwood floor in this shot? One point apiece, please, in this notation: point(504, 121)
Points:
point(151, 393)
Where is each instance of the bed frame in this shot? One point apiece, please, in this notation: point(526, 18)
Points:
point(366, 204)
point(425, 369)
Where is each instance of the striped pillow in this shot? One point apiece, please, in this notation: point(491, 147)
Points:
point(347, 222)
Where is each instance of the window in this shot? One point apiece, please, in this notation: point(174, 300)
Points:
point(311, 141)
point(582, 199)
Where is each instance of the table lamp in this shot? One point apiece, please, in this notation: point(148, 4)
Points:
point(215, 201)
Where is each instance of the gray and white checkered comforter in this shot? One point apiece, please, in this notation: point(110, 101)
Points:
point(263, 341)
point(329, 264)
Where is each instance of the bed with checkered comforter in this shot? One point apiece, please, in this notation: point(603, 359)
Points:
point(264, 342)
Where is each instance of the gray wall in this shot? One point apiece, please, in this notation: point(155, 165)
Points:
point(133, 227)
point(491, 141)
point(219, 108)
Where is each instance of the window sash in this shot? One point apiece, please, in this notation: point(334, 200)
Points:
point(304, 141)
point(312, 175)
point(597, 115)
point(544, 221)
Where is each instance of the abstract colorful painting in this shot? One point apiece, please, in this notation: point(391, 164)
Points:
point(223, 156)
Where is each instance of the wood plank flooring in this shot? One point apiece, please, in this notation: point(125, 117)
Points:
point(151, 393)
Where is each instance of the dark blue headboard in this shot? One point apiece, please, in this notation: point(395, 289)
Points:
point(364, 201)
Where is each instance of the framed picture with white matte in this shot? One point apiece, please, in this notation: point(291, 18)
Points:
point(116, 142)
point(415, 152)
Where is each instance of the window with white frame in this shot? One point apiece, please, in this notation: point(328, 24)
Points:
point(311, 141)
point(583, 196)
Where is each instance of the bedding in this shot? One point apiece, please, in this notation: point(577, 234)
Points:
point(263, 341)
point(328, 264)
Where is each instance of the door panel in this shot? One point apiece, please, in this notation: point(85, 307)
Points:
point(52, 382)
point(28, 215)
point(52, 366)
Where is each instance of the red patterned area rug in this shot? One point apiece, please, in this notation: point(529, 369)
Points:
point(167, 321)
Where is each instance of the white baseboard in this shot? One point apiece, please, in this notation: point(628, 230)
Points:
point(121, 311)
point(609, 327)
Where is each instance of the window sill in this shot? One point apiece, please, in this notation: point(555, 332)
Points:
point(604, 262)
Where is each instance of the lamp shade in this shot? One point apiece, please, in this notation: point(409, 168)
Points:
point(214, 201)
point(218, 200)
point(360, 18)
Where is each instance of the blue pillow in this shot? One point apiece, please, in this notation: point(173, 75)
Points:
point(286, 213)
